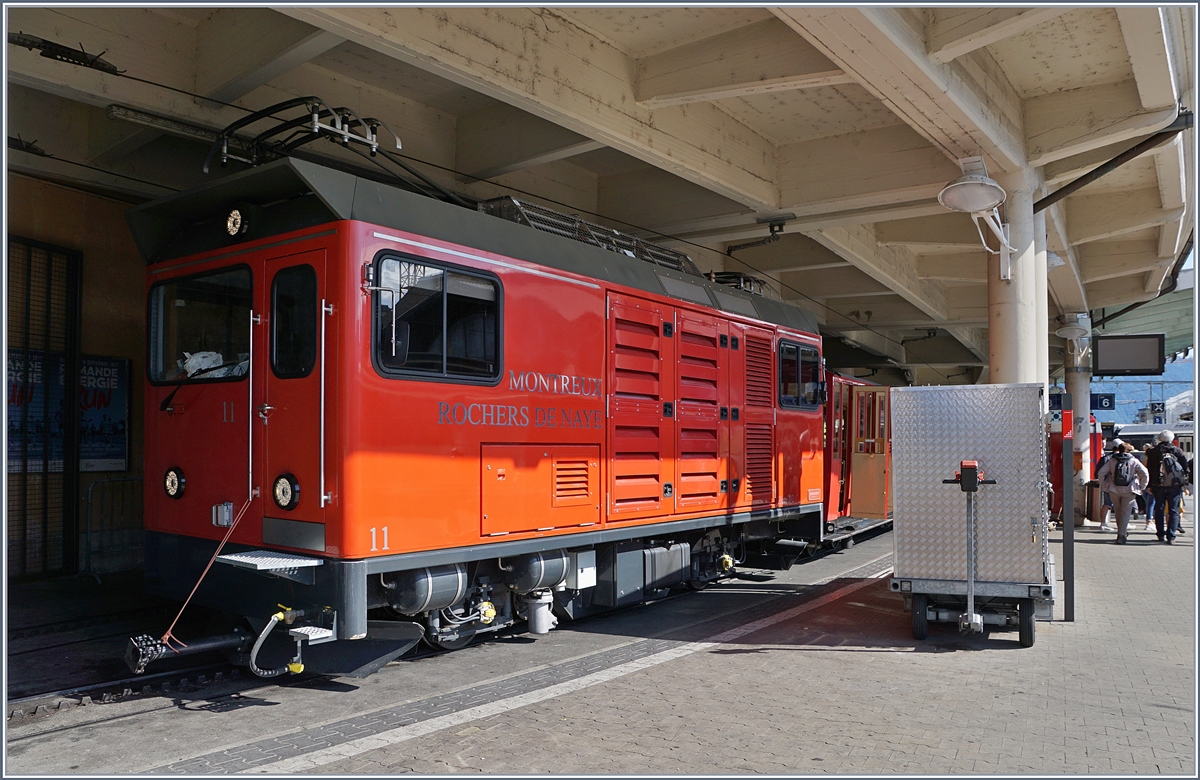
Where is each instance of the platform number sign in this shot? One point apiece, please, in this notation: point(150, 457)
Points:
point(1104, 402)
point(1159, 410)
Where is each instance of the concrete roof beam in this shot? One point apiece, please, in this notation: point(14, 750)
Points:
point(953, 32)
point(240, 49)
point(1146, 39)
point(502, 139)
point(752, 60)
point(1097, 217)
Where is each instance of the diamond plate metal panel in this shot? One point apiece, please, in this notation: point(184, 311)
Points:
point(934, 429)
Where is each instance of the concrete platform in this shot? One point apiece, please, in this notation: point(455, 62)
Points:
point(808, 671)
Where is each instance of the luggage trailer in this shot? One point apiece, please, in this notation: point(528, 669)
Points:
point(985, 561)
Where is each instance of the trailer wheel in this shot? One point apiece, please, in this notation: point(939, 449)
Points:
point(1026, 619)
point(849, 542)
point(920, 616)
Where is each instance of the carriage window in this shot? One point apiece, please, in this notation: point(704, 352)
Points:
point(799, 375)
point(294, 322)
point(200, 327)
point(446, 323)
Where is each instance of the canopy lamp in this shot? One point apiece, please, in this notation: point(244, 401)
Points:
point(1076, 329)
point(979, 195)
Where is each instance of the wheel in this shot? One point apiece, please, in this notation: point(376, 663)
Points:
point(1027, 621)
point(920, 616)
point(698, 584)
point(849, 542)
point(463, 640)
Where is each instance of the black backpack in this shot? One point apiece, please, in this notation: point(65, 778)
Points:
point(1173, 473)
point(1123, 471)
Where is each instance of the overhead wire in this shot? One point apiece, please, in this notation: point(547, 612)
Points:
point(398, 158)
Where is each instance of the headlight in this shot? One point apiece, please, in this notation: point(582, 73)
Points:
point(174, 482)
point(286, 491)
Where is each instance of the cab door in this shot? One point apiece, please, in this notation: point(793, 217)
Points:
point(290, 409)
point(869, 463)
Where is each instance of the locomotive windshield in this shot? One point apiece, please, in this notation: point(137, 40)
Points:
point(446, 322)
point(200, 327)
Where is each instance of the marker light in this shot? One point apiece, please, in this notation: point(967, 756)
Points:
point(174, 482)
point(286, 491)
point(235, 223)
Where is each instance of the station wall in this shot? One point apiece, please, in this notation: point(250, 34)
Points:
point(113, 278)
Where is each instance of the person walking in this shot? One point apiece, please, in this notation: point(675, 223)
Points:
point(1168, 468)
point(1148, 496)
point(1124, 478)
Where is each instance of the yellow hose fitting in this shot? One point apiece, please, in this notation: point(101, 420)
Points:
point(725, 562)
point(295, 668)
point(487, 612)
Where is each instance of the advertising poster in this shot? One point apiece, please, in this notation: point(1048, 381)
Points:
point(35, 411)
point(30, 410)
point(103, 414)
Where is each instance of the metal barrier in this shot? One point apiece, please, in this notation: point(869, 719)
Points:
point(113, 529)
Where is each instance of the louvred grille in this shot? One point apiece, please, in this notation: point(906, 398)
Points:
point(758, 372)
point(571, 479)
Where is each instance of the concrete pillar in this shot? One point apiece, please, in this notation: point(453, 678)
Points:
point(1078, 381)
point(1012, 340)
point(1041, 317)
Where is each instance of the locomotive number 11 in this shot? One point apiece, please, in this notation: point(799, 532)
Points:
point(374, 539)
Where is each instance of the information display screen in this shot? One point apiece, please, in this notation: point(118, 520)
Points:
point(1140, 355)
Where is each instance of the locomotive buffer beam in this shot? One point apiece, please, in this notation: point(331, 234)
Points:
point(144, 650)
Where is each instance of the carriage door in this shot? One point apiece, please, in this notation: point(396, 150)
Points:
point(869, 452)
point(289, 411)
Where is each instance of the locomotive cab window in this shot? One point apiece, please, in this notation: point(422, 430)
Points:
point(294, 322)
point(436, 321)
point(799, 375)
point(200, 327)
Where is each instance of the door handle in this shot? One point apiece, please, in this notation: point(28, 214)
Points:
point(263, 411)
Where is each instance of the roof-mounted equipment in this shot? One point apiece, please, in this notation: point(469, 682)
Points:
point(576, 228)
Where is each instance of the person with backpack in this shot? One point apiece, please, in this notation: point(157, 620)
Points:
point(1168, 468)
point(1124, 478)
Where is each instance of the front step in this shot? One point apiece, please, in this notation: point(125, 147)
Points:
point(297, 568)
point(313, 635)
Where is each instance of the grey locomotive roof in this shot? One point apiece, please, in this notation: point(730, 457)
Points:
point(289, 194)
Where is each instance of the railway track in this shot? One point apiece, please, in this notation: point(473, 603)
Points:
point(222, 677)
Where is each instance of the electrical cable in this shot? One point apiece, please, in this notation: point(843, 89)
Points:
point(111, 173)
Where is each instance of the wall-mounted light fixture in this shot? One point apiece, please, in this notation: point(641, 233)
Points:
point(1077, 330)
point(979, 195)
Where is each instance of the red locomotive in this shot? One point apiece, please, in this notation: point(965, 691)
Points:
point(425, 421)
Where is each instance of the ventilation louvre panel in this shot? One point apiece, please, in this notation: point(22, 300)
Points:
point(759, 452)
point(571, 479)
point(758, 372)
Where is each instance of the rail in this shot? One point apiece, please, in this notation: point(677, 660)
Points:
point(113, 528)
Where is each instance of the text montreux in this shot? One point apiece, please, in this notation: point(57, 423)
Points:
point(558, 384)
